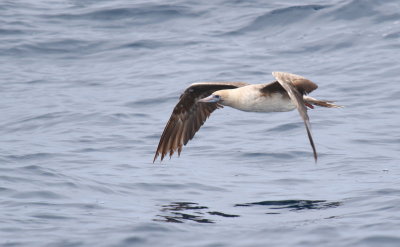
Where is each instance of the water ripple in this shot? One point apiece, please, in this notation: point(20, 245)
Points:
point(87, 87)
point(293, 205)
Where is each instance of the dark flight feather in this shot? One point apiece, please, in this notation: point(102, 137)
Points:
point(189, 115)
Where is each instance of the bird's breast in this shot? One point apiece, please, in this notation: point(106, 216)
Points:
point(257, 102)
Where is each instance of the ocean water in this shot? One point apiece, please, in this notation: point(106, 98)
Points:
point(86, 88)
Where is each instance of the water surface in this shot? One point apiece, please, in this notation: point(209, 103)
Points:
point(86, 88)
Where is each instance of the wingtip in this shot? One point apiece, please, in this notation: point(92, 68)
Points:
point(338, 106)
point(155, 157)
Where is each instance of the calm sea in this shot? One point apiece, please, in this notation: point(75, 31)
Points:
point(86, 88)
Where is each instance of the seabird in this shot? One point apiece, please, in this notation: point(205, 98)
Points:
point(199, 100)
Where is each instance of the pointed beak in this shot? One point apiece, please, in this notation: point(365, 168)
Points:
point(210, 99)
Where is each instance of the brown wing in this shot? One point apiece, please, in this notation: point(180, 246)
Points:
point(303, 85)
point(273, 87)
point(189, 115)
point(296, 86)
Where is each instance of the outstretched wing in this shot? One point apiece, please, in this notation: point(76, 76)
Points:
point(189, 115)
point(296, 86)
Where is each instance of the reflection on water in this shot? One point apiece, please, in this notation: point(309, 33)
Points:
point(223, 214)
point(293, 205)
point(179, 212)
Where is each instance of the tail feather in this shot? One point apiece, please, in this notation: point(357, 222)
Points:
point(323, 103)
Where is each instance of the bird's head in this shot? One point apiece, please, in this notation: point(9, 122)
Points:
point(218, 96)
point(213, 98)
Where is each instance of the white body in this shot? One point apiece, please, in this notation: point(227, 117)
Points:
point(250, 99)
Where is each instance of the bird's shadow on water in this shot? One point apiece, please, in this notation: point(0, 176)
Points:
point(293, 205)
point(180, 212)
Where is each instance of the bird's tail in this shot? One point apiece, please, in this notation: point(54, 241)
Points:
point(323, 103)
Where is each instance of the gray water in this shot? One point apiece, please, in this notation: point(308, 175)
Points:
point(86, 88)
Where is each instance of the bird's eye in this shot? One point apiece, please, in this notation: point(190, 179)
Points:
point(217, 96)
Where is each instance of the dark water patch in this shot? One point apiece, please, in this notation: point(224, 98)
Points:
point(295, 11)
point(284, 127)
point(4, 190)
point(223, 214)
point(379, 240)
point(355, 9)
point(133, 240)
point(153, 44)
point(182, 217)
point(377, 141)
point(151, 227)
point(388, 192)
point(287, 155)
point(38, 170)
point(121, 115)
point(180, 212)
point(320, 47)
point(140, 115)
point(14, 178)
point(151, 52)
point(291, 181)
point(383, 18)
point(11, 32)
point(145, 14)
point(41, 194)
point(293, 205)
point(108, 149)
point(64, 184)
point(13, 243)
point(172, 186)
point(6, 159)
point(46, 205)
point(33, 156)
point(50, 217)
point(180, 206)
point(46, 116)
point(280, 17)
point(67, 243)
point(34, 82)
point(63, 47)
point(393, 35)
point(155, 186)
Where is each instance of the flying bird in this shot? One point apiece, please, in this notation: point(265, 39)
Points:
point(199, 100)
